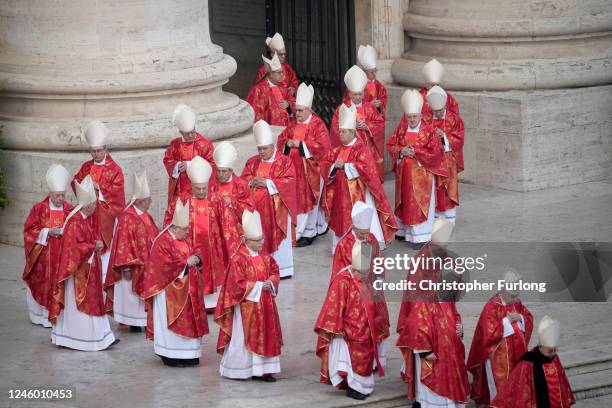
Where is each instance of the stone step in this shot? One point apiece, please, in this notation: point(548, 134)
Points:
point(591, 384)
point(590, 357)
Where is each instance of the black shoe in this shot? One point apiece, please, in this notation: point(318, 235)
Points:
point(190, 362)
point(355, 394)
point(324, 232)
point(264, 378)
point(286, 277)
point(303, 242)
point(400, 238)
point(374, 370)
point(135, 329)
point(416, 405)
point(113, 343)
point(172, 362)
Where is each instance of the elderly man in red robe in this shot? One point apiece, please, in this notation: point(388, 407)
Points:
point(172, 287)
point(350, 175)
point(370, 123)
point(271, 176)
point(306, 141)
point(374, 92)
point(270, 100)
point(108, 181)
point(417, 156)
point(449, 128)
point(42, 233)
point(433, 72)
point(213, 230)
point(182, 149)
point(538, 380)
point(361, 216)
point(430, 336)
point(132, 243)
point(500, 340)
point(77, 308)
point(349, 336)
point(250, 337)
point(276, 45)
point(227, 185)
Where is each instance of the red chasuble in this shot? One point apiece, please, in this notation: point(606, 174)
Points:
point(521, 390)
point(345, 312)
point(289, 81)
point(339, 193)
point(273, 209)
point(260, 320)
point(266, 100)
point(77, 247)
point(214, 235)
point(307, 171)
point(238, 192)
point(414, 176)
point(489, 343)
point(132, 243)
point(343, 258)
point(179, 150)
point(40, 272)
point(447, 188)
point(184, 298)
point(432, 326)
point(374, 90)
point(110, 180)
point(451, 103)
point(373, 137)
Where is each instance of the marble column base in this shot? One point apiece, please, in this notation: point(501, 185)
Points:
point(531, 140)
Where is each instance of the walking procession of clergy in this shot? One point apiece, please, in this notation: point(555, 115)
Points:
point(227, 241)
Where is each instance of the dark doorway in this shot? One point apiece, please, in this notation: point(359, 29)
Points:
point(319, 36)
point(320, 40)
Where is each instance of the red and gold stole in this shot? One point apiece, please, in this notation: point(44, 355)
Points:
point(361, 112)
point(299, 134)
point(201, 227)
point(56, 218)
point(344, 153)
point(371, 90)
point(186, 151)
point(263, 171)
point(225, 189)
point(260, 268)
point(409, 138)
point(96, 173)
point(278, 95)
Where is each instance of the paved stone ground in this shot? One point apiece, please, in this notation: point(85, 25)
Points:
point(130, 375)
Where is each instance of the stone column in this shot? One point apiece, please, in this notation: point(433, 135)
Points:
point(66, 62)
point(533, 81)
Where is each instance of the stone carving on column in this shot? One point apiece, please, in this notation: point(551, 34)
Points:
point(64, 63)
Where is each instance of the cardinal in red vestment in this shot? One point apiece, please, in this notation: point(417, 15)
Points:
point(430, 334)
point(370, 124)
point(349, 330)
point(538, 380)
point(449, 127)
point(182, 149)
point(305, 141)
point(349, 175)
point(42, 233)
point(132, 243)
point(276, 45)
point(271, 177)
point(77, 307)
point(228, 186)
point(250, 337)
point(433, 72)
point(213, 230)
point(500, 340)
point(108, 181)
point(270, 100)
point(374, 92)
point(417, 156)
point(172, 286)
